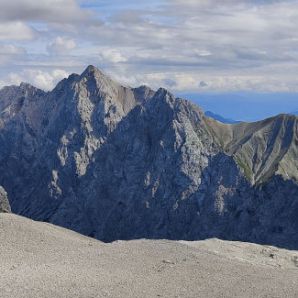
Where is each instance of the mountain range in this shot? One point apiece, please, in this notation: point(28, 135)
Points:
point(114, 162)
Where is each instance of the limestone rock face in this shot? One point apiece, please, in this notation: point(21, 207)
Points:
point(4, 203)
point(115, 162)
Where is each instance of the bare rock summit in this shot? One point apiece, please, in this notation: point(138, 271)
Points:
point(115, 162)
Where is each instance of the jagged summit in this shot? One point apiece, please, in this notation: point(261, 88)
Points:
point(92, 71)
point(24, 85)
point(115, 162)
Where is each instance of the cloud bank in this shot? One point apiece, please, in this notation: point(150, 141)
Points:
point(187, 45)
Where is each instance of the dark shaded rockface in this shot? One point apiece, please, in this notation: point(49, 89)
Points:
point(4, 203)
point(119, 163)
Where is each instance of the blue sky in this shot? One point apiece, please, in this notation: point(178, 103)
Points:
point(244, 50)
point(246, 106)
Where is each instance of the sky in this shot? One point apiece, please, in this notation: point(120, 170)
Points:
point(246, 50)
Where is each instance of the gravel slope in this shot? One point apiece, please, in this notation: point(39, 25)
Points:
point(42, 260)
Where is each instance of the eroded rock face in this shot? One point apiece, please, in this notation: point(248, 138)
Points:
point(114, 162)
point(4, 203)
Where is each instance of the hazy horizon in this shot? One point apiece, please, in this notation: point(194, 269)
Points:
point(245, 106)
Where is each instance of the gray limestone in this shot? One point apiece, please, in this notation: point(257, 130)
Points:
point(4, 203)
point(114, 162)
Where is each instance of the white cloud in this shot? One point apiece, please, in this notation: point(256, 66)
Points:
point(41, 79)
point(58, 11)
point(9, 49)
point(15, 31)
point(61, 45)
point(185, 44)
point(10, 53)
point(112, 55)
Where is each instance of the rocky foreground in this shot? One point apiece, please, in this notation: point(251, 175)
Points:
point(42, 260)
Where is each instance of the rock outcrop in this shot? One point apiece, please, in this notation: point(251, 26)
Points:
point(4, 203)
point(115, 162)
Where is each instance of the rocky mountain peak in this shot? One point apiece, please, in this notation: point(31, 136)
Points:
point(94, 73)
point(143, 93)
point(91, 70)
point(93, 83)
point(26, 86)
point(115, 162)
point(163, 97)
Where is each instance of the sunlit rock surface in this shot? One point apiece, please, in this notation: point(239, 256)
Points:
point(114, 162)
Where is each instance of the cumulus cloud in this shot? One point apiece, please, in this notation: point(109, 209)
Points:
point(58, 11)
point(183, 44)
point(41, 79)
point(15, 31)
point(112, 55)
point(9, 49)
point(61, 45)
point(9, 53)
